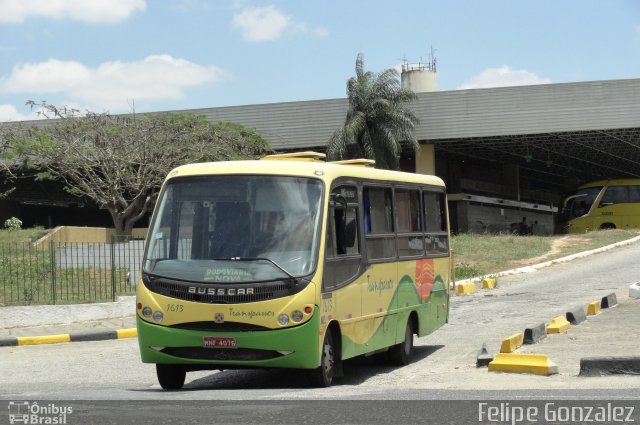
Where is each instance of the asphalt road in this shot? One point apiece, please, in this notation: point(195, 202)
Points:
point(443, 366)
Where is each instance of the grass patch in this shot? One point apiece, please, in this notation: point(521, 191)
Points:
point(478, 255)
point(22, 235)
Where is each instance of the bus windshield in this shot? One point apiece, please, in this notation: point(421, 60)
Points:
point(579, 202)
point(235, 228)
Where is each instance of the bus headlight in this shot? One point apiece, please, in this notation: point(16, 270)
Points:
point(283, 319)
point(158, 316)
point(296, 316)
point(146, 312)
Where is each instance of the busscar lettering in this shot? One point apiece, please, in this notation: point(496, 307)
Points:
point(220, 291)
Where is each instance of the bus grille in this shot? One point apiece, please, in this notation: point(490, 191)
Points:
point(179, 290)
point(201, 353)
point(220, 327)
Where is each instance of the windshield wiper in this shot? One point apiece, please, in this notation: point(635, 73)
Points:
point(292, 278)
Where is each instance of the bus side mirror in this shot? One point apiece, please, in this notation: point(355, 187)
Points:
point(339, 200)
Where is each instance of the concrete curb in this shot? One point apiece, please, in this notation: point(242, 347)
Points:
point(73, 337)
point(605, 366)
point(536, 267)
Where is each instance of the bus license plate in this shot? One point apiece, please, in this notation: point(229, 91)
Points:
point(215, 341)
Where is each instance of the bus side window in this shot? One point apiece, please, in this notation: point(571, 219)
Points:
point(614, 195)
point(343, 247)
point(634, 194)
point(436, 240)
point(380, 236)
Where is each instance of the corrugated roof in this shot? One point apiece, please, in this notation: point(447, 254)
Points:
point(521, 110)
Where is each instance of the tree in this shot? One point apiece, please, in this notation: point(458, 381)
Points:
point(378, 124)
point(120, 162)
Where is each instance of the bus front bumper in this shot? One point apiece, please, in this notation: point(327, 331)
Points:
point(294, 347)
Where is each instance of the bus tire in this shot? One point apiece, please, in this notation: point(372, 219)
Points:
point(171, 377)
point(400, 354)
point(323, 376)
point(607, 226)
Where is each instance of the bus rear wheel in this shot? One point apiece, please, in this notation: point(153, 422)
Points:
point(171, 377)
point(400, 354)
point(323, 376)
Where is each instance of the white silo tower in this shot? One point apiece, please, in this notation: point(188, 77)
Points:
point(420, 77)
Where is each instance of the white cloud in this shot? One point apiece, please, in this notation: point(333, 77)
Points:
point(112, 85)
point(503, 77)
point(11, 113)
point(261, 23)
point(81, 10)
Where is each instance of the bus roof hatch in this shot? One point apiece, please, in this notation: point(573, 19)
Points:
point(297, 156)
point(361, 162)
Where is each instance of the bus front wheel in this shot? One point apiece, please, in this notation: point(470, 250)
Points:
point(323, 376)
point(171, 377)
point(400, 354)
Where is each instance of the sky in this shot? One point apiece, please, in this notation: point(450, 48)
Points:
point(120, 56)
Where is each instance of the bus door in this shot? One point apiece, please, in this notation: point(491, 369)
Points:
point(341, 299)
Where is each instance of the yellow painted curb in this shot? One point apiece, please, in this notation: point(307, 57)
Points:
point(488, 283)
point(538, 364)
point(511, 344)
point(465, 288)
point(593, 308)
point(558, 325)
point(48, 339)
point(127, 333)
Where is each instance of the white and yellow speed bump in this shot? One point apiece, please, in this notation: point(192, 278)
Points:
point(538, 364)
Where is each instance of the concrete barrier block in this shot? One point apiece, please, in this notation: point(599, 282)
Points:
point(489, 283)
point(538, 364)
point(512, 343)
point(558, 325)
point(602, 366)
point(484, 357)
point(534, 334)
point(576, 316)
point(609, 301)
point(465, 288)
point(634, 290)
point(593, 308)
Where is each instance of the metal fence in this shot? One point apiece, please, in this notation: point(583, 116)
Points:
point(64, 273)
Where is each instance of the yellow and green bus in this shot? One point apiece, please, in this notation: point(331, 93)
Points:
point(291, 262)
point(604, 204)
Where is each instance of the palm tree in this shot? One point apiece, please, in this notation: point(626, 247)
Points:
point(378, 124)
